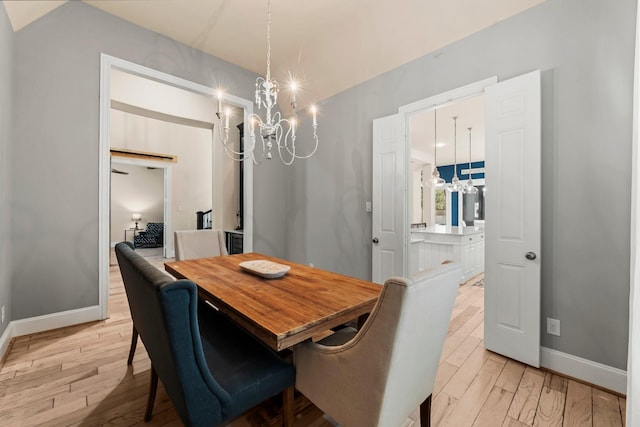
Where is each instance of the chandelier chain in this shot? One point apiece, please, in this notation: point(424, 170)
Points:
point(268, 40)
point(469, 152)
point(435, 133)
point(455, 146)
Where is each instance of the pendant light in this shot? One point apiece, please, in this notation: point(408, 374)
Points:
point(455, 185)
point(435, 180)
point(469, 188)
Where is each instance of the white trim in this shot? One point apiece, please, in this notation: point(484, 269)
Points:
point(168, 251)
point(104, 186)
point(439, 100)
point(474, 171)
point(107, 63)
point(448, 97)
point(586, 370)
point(51, 321)
point(167, 247)
point(47, 322)
point(5, 340)
point(633, 358)
point(426, 104)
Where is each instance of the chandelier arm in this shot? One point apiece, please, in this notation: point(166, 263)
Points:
point(271, 130)
point(253, 153)
point(229, 149)
point(292, 150)
point(286, 162)
point(231, 155)
point(315, 148)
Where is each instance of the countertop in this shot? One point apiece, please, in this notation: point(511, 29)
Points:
point(443, 229)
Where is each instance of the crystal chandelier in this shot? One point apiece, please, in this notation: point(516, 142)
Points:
point(469, 188)
point(435, 180)
point(275, 131)
point(455, 185)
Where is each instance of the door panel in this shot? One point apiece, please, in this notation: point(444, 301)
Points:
point(512, 282)
point(388, 200)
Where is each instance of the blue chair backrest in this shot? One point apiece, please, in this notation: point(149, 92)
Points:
point(164, 312)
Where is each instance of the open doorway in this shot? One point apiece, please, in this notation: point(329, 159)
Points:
point(512, 297)
point(141, 104)
point(447, 224)
point(431, 141)
point(139, 208)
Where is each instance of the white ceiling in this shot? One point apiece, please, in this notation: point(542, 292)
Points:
point(469, 113)
point(329, 45)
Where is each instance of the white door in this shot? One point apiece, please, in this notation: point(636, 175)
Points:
point(389, 226)
point(512, 276)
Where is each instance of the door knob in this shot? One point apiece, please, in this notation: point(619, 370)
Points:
point(530, 256)
point(375, 240)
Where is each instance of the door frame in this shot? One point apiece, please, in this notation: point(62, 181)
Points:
point(439, 100)
point(107, 63)
point(166, 196)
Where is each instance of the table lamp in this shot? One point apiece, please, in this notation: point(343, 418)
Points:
point(136, 218)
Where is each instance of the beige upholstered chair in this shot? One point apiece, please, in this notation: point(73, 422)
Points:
point(377, 376)
point(190, 244)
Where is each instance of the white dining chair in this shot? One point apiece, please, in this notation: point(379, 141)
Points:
point(191, 244)
point(377, 376)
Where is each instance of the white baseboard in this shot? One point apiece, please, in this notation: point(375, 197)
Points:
point(586, 370)
point(5, 340)
point(47, 322)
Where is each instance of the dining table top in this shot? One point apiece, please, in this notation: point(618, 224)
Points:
point(280, 311)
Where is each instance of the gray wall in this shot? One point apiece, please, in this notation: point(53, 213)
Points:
point(6, 60)
point(55, 154)
point(585, 49)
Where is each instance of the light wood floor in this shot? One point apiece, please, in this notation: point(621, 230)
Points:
point(78, 376)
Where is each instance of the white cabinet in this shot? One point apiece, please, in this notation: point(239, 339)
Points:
point(472, 248)
point(431, 246)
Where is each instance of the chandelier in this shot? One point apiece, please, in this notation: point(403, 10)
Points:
point(469, 188)
point(274, 131)
point(435, 181)
point(455, 185)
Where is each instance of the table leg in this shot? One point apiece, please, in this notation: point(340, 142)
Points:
point(288, 407)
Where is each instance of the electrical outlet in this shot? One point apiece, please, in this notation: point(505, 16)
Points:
point(553, 326)
point(2, 321)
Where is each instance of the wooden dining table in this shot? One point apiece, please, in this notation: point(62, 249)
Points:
point(280, 311)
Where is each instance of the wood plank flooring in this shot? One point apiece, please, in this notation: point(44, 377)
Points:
point(78, 376)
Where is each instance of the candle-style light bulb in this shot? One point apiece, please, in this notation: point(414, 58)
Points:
point(294, 88)
point(314, 111)
point(227, 113)
point(220, 95)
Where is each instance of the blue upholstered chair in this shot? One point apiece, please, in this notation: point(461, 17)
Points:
point(212, 370)
point(151, 237)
